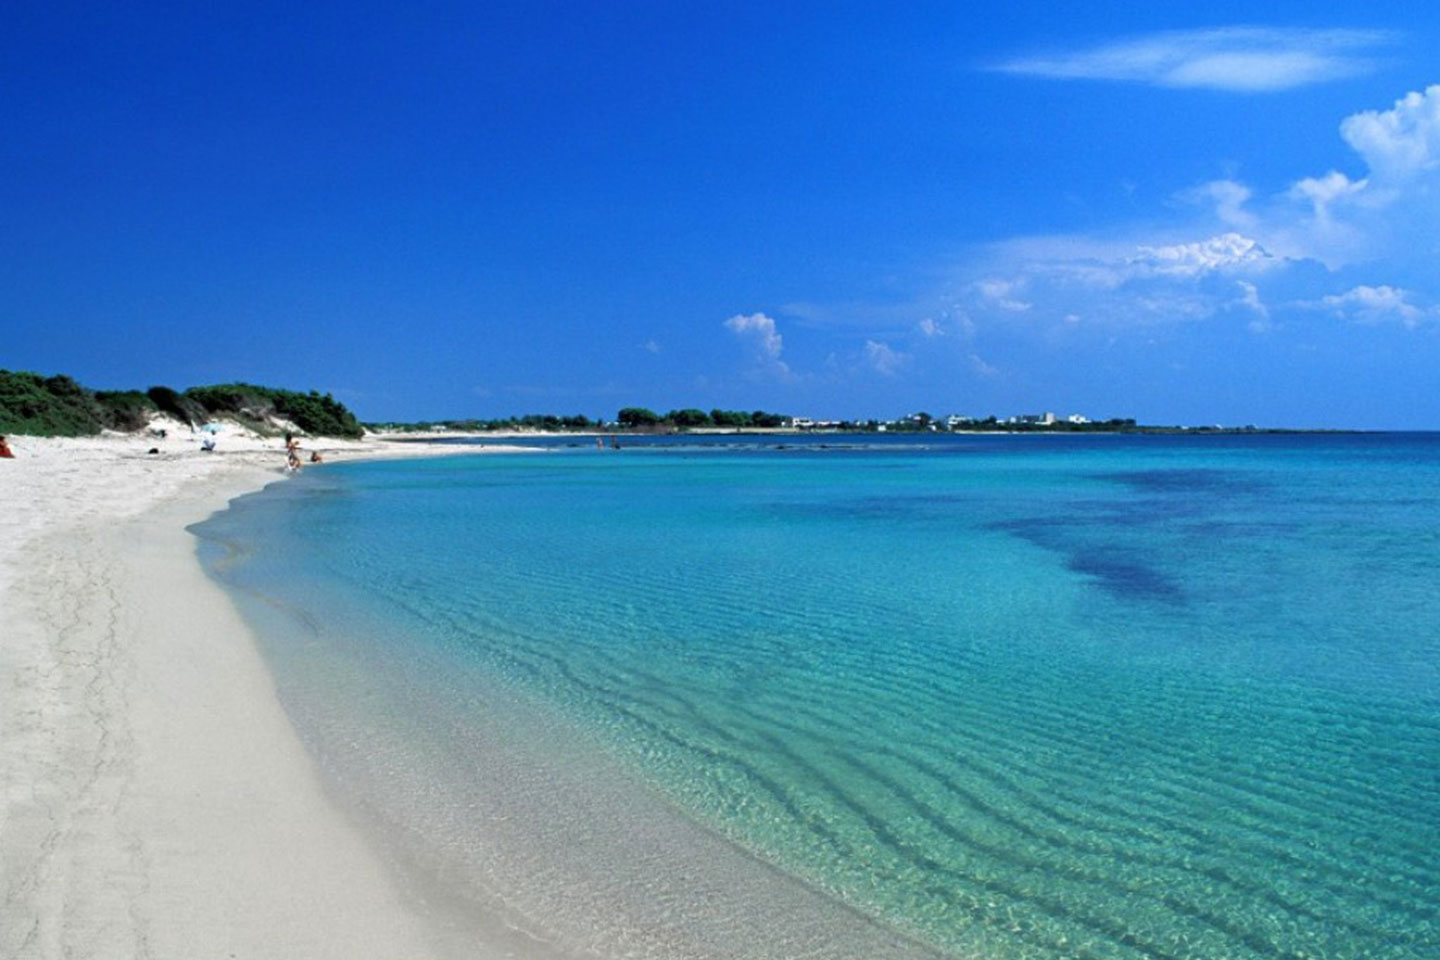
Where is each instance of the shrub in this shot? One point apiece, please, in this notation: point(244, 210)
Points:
point(58, 406)
point(125, 409)
point(47, 406)
point(180, 407)
point(315, 414)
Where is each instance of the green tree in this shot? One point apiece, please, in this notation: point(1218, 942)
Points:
point(633, 417)
point(769, 420)
point(730, 418)
point(689, 417)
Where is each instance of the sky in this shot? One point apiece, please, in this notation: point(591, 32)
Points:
point(445, 210)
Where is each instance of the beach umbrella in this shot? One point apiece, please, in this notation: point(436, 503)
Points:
point(211, 428)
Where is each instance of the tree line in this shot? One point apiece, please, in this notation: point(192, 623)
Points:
point(639, 418)
point(31, 403)
point(629, 418)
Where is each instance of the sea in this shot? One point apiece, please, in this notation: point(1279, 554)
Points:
point(1002, 697)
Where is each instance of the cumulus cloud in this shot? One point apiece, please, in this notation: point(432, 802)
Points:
point(1401, 143)
point(1384, 216)
point(1227, 251)
point(760, 328)
point(1230, 256)
point(1237, 59)
point(1393, 211)
point(882, 358)
point(1382, 304)
point(1079, 282)
point(759, 331)
point(1321, 193)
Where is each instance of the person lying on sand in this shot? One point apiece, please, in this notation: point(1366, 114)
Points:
point(315, 457)
point(5, 448)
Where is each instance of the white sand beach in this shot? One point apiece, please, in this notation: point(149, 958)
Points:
point(154, 799)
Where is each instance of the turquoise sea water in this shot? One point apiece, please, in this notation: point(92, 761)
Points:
point(1010, 697)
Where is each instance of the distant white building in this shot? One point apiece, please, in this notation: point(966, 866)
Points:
point(809, 423)
point(1077, 418)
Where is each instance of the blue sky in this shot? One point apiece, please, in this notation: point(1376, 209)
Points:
point(447, 210)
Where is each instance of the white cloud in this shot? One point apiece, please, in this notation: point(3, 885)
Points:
point(1250, 300)
point(651, 346)
point(762, 328)
point(1401, 143)
point(1250, 297)
point(1376, 305)
point(1113, 283)
point(1192, 259)
point(881, 358)
point(1234, 254)
point(1229, 198)
point(1241, 59)
point(1323, 192)
point(1392, 212)
point(978, 364)
point(1001, 293)
point(759, 330)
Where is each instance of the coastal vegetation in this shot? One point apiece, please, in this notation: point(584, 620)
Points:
point(314, 413)
point(642, 418)
point(32, 403)
point(530, 423)
point(639, 419)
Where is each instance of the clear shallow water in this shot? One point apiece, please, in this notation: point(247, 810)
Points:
point(999, 697)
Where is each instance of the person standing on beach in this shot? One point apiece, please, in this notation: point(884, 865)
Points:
point(5, 448)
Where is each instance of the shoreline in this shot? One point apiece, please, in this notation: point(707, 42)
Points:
point(533, 838)
point(158, 799)
point(155, 799)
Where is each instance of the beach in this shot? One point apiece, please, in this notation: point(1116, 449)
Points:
point(154, 798)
